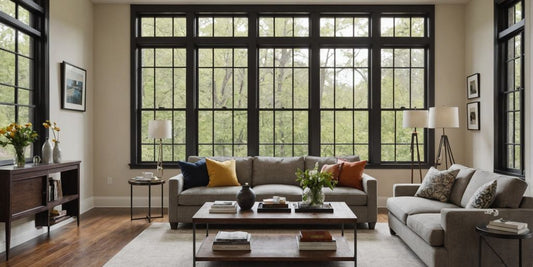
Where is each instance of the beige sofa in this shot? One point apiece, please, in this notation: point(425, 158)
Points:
point(270, 176)
point(443, 233)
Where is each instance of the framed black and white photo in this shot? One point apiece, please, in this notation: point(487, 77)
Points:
point(472, 86)
point(472, 113)
point(73, 87)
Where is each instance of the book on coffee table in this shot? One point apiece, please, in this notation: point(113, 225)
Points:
point(223, 207)
point(232, 241)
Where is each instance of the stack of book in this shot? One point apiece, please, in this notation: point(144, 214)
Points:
point(223, 207)
point(316, 240)
point(508, 226)
point(271, 203)
point(232, 241)
point(57, 216)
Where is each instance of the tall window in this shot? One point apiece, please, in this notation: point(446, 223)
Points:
point(280, 80)
point(23, 61)
point(509, 112)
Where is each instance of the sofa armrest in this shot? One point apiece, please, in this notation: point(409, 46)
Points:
point(461, 239)
point(405, 190)
point(370, 185)
point(175, 187)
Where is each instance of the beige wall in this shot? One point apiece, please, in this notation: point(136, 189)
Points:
point(529, 97)
point(479, 58)
point(71, 40)
point(112, 67)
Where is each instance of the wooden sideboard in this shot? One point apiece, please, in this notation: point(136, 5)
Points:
point(24, 192)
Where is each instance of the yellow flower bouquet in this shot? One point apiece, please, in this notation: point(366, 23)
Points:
point(20, 136)
point(55, 130)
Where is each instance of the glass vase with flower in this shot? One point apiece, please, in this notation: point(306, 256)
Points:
point(312, 181)
point(19, 136)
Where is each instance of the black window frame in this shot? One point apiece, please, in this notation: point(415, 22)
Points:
point(502, 33)
point(314, 42)
point(38, 29)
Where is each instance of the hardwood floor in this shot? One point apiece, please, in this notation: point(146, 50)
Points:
point(103, 232)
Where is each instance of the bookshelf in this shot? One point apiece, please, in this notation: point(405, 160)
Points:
point(24, 192)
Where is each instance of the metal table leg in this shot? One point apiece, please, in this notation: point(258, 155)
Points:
point(355, 245)
point(193, 244)
point(162, 190)
point(131, 201)
point(149, 203)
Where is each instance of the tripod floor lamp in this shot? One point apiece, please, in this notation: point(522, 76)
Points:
point(415, 119)
point(444, 117)
point(159, 129)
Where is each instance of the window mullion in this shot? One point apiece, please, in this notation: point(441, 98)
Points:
point(253, 85)
point(314, 86)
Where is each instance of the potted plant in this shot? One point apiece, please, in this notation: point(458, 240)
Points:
point(312, 182)
point(20, 136)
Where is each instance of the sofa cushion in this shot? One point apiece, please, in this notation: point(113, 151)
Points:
point(461, 182)
point(310, 161)
point(221, 173)
point(352, 196)
point(437, 184)
point(194, 174)
point(197, 196)
point(291, 192)
point(509, 191)
point(483, 197)
point(276, 170)
point(401, 207)
point(333, 169)
point(352, 174)
point(428, 227)
point(243, 166)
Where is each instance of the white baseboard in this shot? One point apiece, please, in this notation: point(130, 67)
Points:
point(124, 202)
point(86, 205)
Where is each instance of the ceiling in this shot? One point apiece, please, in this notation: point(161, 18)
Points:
point(248, 2)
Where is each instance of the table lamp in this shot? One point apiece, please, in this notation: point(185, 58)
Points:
point(444, 117)
point(415, 119)
point(159, 129)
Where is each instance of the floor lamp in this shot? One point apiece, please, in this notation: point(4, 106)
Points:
point(444, 117)
point(415, 119)
point(160, 129)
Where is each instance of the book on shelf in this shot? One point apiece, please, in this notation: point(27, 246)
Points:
point(315, 236)
point(317, 245)
point(231, 246)
point(232, 241)
point(508, 224)
point(236, 236)
point(508, 230)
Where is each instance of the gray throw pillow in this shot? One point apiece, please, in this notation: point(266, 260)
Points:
point(483, 197)
point(437, 184)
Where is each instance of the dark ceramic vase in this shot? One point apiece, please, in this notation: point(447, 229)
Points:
point(246, 197)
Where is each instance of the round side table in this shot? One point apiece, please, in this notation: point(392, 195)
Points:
point(486, 232)
point(149, 183)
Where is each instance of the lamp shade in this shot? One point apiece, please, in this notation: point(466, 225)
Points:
point(415, 118)
point(160, 129)
point(443, 117)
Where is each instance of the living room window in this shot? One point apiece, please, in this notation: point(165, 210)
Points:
point(509, 111)
point(23, 75)
point(280, 80)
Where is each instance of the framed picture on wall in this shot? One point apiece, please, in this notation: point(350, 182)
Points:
point(73, 87)
point(472, 86)
point(472, 113)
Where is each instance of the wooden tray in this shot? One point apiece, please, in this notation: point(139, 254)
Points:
point(326, 208)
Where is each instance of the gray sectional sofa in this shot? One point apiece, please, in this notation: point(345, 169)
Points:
point(443, 233)
point(270, 176)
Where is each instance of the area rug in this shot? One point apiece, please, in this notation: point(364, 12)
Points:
point(158, 245)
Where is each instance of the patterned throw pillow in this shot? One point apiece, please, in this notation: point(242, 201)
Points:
point(437, 184)
point(483, 197)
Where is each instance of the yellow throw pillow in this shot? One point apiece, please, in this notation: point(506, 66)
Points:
point(221, 173)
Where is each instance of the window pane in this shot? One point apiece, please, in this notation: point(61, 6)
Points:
point(147, 26)
point(283, 27)
point(180, 27)
point(25, 45)
point(7, 71)
point(402, 27)
point(327, 27)
point(223, 27)
point(387, 27)
point(417, 27)
point(361, 27)
point(205, 27)
point(301, 27)
point(163, 27)
point(344, 27)
point(240, 27)
point(7, 7)
point(8, 37)
point(266, 26)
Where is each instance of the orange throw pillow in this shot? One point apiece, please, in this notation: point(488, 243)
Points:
point(334, 169)
point(352, 174)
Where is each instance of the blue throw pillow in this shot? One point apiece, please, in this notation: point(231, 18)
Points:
point(194, 174)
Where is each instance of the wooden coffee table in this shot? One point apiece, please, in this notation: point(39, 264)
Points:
point(272, 246)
